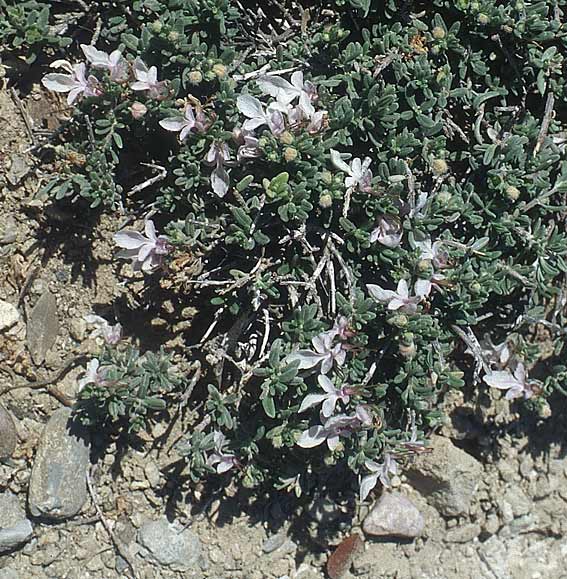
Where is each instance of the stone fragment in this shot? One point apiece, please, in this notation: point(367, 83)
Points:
point(394, 515)
point(169, 546)
point(447, 476)
point(342, 557)
point(15, 529)
point(8, 436)
point(463, 533)
point(274, 542)
point(58, 487)
point(9, 315)
point(19, 168)
point(42, 327)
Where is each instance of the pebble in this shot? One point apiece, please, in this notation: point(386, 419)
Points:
point(274, 542)
point(463, 534)
point(15, 529)
point(58, 488)
point(8, 435)
point(447, 476)
point(9, 315)
point(394, 515)
point(151, 471)
point(169, 546)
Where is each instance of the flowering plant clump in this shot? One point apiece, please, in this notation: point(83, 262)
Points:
point(353, 219)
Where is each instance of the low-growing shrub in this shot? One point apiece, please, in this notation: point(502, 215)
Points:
point(356, 205)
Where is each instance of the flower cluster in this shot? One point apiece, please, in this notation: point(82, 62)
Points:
point(78, 82)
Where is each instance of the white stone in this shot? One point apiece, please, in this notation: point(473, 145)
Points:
point(9, 315)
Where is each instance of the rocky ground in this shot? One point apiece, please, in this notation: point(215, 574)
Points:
point(488, 501)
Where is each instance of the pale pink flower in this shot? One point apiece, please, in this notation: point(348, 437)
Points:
point(379, 472)
point(286, 92)
point(146, 79)
point(76, 83)
point(359, 175)
point(114, 62)
point(146, 252)
point(335, 427)
point(324, 353)
point(400, 299)
point(94, 374)
point(329, 399)
point(515, 384)
point(388, 232)
point(111, 334)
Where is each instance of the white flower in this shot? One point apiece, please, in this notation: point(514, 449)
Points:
point(400, 299)
point(223, 460)
point(110, 334)
point(335, 427)
point(515, 384)
point(181, 124)
point(93, 375)
point(146, 252)
point(389, 231)
point(76, 83)
point(433, 251)
point(146, 79)
point(379, 472)
point(359, 173)
point(323, 353)
point(114, 62)
point(219, 156)
point(272, 116)
point(329, 399)
point(286, 92)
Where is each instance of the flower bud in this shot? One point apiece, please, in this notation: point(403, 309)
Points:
point(475, 287)
point(173, 36)
point(219, 70)
point(513, 193)
point(138, 110)
point(444, 197)
point(483, 19)
point(286, 138)
point(399, 320)
point(156, 26)
point(438, 33)
point(439, 167)
point(424, 265)
point(325, 201)
point(195, 77)
point(327, 177)
point(290, 154)
point(407, 350)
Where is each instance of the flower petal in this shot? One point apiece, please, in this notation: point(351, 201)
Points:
point(326, 384)
point(220, 181)
point(129, 239)
point(312, 437)
point(97, 58)
point(380, 294)
point(58, 82)
point(338, 162)
point(250, 106)
point(173, 123)
point(307, 359)
point(367, 484)
point(311, 400)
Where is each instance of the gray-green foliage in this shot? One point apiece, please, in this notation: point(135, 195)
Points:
point(460, 106)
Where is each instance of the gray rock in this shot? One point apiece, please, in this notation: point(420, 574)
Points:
point(9, 315)
point(15, 529)
point(274, 542)
point(58, 484)
point(448, 477)
point(394, 515)
point(8, 436)
point(7, 573)
point(169, 546)
point(42, 327)
point(463, 533)
point(19, 168)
